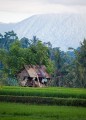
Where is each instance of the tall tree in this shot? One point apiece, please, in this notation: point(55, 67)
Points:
point(9, 38)
point(81, 65)
point(34, 40)
point(1, 41)
point(41, 55)
point(25, 42)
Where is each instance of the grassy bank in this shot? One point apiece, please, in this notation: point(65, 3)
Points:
point(15, 111)
point(44, 100)
point(44, 92)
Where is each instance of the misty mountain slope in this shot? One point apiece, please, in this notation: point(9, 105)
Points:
point(6, 27)
point(62, 30)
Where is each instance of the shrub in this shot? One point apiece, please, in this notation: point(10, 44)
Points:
point(44, 100)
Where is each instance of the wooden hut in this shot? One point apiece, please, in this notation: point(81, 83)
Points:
point(33, 76)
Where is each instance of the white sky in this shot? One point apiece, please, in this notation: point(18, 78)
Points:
point(17, 10)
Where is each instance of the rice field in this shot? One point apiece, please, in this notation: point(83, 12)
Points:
point(17, 111)
point(25, 103)
point(44, 92)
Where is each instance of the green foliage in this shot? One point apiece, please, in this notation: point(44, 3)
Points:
point(7, 39)
point(70, 71)
point(81, 65)
point(22, 53)
point(25, 42)
point(63, 64)
point(16, 58)
point(66, 69)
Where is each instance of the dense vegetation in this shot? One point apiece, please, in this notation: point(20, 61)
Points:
point(67, 68)
point(13, 111)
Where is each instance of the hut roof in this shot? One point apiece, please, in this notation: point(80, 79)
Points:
point(31, 71)
point(37, 71)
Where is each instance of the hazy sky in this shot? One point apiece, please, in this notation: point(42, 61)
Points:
point(17, 10)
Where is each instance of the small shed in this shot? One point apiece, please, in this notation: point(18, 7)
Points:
point(33, 76)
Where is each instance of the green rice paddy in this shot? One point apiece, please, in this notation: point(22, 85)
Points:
point(31, 111)
point(44, 92)
point(16, 111)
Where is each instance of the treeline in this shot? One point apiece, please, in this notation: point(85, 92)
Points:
point(66, 68)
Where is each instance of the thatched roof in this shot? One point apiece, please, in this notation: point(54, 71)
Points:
point(31, 71)
point(37, 71)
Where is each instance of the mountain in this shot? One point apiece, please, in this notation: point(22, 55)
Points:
point(6, 27)
point(62, 30)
